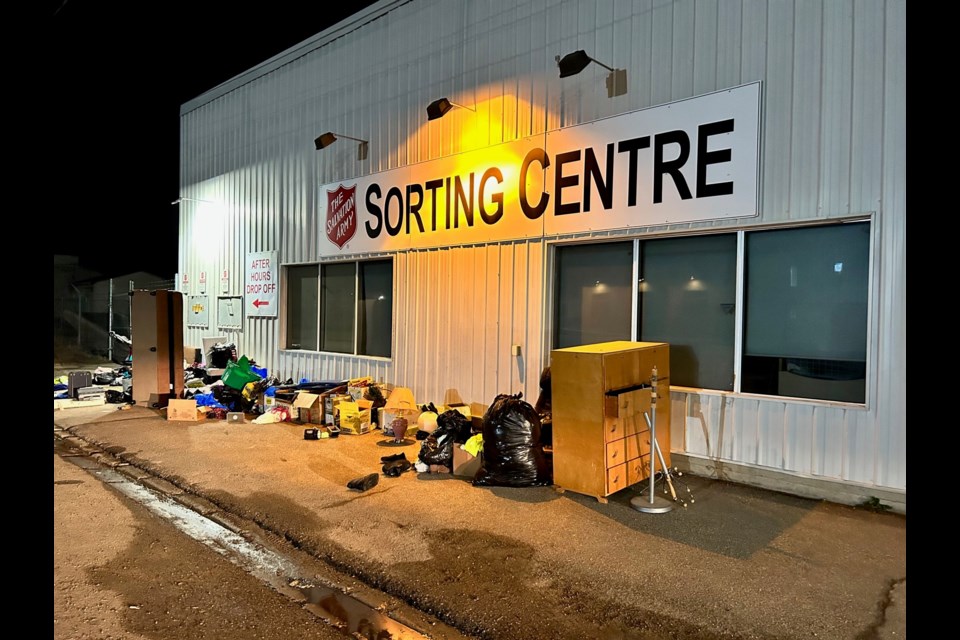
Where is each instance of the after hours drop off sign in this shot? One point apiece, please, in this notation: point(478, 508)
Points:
point(261, 284)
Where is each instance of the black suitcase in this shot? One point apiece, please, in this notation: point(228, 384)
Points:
point(77, 380)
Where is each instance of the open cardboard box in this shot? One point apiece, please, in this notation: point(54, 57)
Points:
point(309, 408)
point(465, 465)
point(477, 411)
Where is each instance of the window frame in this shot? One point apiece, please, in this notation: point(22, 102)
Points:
point(741, 232)
point(356, 262)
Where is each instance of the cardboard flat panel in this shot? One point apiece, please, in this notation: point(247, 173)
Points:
point(182, 410)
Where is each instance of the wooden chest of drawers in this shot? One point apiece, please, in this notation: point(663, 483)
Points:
point(601, 439)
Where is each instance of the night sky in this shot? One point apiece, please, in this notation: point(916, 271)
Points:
point(113, 76)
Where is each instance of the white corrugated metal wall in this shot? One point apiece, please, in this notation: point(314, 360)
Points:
point(833, 145)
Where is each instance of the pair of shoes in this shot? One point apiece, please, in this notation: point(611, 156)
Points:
point(394, 457)
point(394, 468)
point(364, 483)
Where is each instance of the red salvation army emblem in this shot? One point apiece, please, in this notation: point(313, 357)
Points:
point(341, 215)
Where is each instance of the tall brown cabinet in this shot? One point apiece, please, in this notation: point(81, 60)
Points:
point(601, 440)
point(157, 336)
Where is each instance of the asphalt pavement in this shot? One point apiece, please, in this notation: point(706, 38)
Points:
point(528, 562)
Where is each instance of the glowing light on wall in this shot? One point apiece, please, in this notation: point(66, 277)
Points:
point(204, 220)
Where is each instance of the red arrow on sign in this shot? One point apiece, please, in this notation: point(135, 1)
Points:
point(260, 303)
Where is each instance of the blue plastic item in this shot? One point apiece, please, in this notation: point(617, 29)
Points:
point(207, 400)
point(270, 392)
point(260, 371)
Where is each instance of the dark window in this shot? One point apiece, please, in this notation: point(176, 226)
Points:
point(343, 307)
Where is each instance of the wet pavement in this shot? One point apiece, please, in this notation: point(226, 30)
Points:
point(499, 562)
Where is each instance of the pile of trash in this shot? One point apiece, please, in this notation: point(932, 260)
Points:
point(509, 444)
point(238, 389)
point(114, 386)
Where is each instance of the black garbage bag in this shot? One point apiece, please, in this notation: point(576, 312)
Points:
point(191, 373)
point(221, 354)
point(456, 423)
point(437, 450)
point(544, 408)
point(232, 399)
point(512, 453)
point(437, 447)
point(105, 378)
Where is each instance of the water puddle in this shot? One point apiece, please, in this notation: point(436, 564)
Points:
point(355, 618)
point(351, 616)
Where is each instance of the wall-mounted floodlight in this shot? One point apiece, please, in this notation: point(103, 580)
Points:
point(328, 138)
point(573, 63)
point(439, 107)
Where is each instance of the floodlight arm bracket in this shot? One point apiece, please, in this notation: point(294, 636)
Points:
point(573, 63)
point(340, 135)
point(328, 138)
point(439, 107)
point(602, 65)
point(462, 106)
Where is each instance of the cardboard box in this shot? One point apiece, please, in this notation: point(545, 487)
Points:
point(477, 411)
point(183, 410)
point(332, 397)
point(357, 387)
point(193, 355)
point(331, 413)
point(464, 464)
point(284, 398)
point(384, 418)
point(464, 409)
point(352, 420)
point(307, 408)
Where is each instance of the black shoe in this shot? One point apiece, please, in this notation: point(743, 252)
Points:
point(395, 468)
point(394, 457)
point(364, 483)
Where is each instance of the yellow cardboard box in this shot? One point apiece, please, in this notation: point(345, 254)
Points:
point(353, 420)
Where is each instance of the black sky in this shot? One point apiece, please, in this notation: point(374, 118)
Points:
point(113, 77)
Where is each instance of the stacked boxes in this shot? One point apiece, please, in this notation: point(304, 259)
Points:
point(331, 406)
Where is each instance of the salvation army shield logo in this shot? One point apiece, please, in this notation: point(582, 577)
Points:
point(341, 215)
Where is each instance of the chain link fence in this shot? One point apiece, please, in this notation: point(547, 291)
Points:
point(94, 318)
